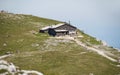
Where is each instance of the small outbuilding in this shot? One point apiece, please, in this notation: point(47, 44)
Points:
point(59, 29)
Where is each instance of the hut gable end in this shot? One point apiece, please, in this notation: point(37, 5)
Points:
point(66, 27)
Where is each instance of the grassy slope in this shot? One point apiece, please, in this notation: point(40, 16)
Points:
point(16, 31)
point(35, 51)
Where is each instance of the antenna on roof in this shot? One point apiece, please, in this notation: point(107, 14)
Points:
point(69, 22)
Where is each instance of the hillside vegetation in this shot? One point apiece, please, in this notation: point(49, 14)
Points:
point(31, 50)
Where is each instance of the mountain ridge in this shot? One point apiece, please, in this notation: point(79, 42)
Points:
point(52, 55)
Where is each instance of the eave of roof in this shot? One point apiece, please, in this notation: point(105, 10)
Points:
point(52, 26)
point(61, 30)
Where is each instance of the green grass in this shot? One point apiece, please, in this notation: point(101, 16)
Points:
point(68, 61)
point(37, 51)
point(3, 71)
point(89, 40)
point(16, 31)
point(65, 59)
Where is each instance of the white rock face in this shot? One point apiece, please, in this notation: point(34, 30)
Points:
point(3, 67)
point(26, 72)
point(11, 68)
point(3, 62)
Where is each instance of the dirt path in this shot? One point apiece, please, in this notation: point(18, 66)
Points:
point(100, 52)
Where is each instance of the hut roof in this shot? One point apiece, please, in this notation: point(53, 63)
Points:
point(55, 26)
point(52, 26)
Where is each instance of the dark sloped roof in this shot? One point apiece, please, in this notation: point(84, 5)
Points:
point(55, 26)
